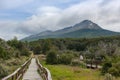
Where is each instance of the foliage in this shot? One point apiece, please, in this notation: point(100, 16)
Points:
point(95, 51)
point(46, 46)
point(115, 69)
point(106, 67)
point(13, 53)
point(37, 49)
point(51, 57)
point(54, 58)
point(2, 53)
point(108, 77)
point(21, 47)
point(111, 66)
point(65, 58)
point(3, 71)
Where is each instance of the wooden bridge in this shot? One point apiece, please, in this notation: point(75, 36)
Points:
point(30, 70)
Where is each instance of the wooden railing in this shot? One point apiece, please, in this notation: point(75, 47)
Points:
point(18, 74)
point(44, 72)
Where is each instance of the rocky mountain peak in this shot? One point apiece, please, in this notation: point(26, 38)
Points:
point(87, 24)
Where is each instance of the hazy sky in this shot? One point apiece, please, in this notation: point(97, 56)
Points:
point(25, 17)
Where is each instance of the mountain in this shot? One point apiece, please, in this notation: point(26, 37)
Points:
point(36, 36)
point(84, 29)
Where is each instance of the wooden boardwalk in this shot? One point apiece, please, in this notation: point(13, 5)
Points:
point(32, 73)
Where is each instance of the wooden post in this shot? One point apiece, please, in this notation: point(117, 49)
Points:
point(12, 77)
point(91, 63)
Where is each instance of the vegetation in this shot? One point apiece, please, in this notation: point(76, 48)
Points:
point(51, 58)
point(65, 72)
point(65, 58)
point(68, 72)
point(65, 54)
point(13, 53)
point(104, 51)
point(108, 77)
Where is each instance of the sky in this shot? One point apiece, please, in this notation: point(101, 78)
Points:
point(22, 18)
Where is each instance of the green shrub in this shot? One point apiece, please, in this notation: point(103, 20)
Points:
point(108, 77)
point(65, 58)
point(51, 57)
point(106, 67)
point(25, 52)
point(115, 69)
point(3, 71)
point(78, 63)
point(4, 54)
point(75, 63)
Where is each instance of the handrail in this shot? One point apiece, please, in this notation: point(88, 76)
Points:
point(44, 72)
point(18, 74)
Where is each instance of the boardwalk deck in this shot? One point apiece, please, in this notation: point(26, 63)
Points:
point(32, 73)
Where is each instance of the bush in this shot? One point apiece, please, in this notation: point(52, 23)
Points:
point(75, 63)
point(65, 59)
point(4, 54)
point(51, 57)
point(25, 52)
point(106, 67)
point(115, 69)
point(78, 63)
point(3, 71)
point(37, 49)
point(108, 77)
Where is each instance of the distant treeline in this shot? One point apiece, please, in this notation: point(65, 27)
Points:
point(43, 45)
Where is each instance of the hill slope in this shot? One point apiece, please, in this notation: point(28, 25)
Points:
point(86, 29)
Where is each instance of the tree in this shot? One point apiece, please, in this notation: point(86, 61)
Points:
point(46, 46)
point(37, 49)
point(3, 53)
point(115, 69)
point(51, 57)
point(14, 42)
point(106, 67)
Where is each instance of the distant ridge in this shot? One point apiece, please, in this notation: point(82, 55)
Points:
point(84, 29)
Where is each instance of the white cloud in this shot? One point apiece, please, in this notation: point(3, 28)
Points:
point(105, 13)
point(54, 18)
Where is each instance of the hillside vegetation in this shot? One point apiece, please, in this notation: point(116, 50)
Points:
point(13, 53)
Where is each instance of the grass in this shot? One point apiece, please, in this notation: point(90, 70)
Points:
point(64, 72)
point(10, 65)
point(67, 72)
